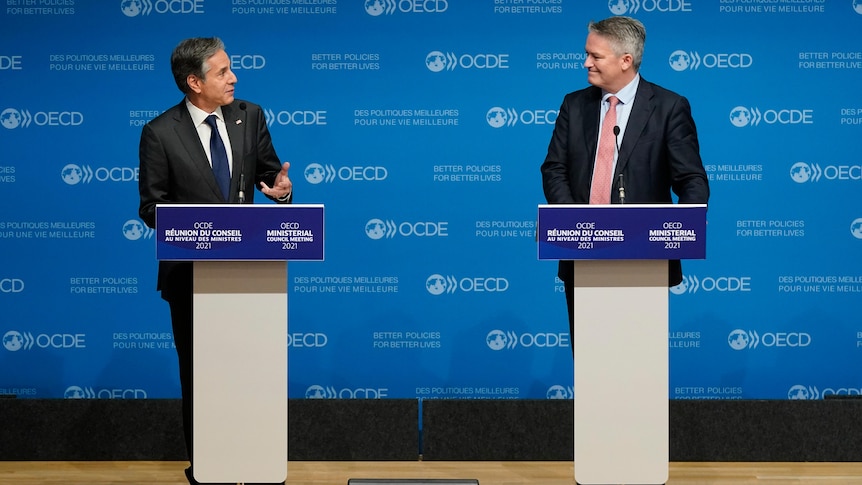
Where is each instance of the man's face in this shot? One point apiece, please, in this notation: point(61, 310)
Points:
point(606, 70)
point(217, 87)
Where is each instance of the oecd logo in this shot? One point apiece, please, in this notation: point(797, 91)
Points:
point(133, 8)
point(799, 392)
point(740, 339)
point(802, 172)
point(134, 229)
point(437, 61)
point(622, 7)
point(296, 118)
point(437, 284)
point(560, 392)
point(73, 174)
point(328, 392)
point(377, 229)
point(316, 173)
point(680, 61)
point(498, 340)
point(376, 8)
point(742, 116)
point(499, 117)
point(14, 341)
point(692, 284)
point(319, 392)
point(856, 228)
point(857, 6)
point(12, 118)
point(75, 392)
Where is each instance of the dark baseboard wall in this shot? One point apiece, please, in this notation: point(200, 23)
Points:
point(451, 430)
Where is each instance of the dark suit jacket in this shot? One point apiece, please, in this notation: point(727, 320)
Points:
point(174, 167)
point(659, 152)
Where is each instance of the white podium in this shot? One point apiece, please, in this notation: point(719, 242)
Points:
point(620, 339)
point(240, 255)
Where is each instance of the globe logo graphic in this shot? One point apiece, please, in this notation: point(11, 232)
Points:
point(857, 6)
point(798, 392)
point(681, 288)
point(71, 174)
point(497, 117)
point(133, 230)
point(435, 284)
point(856, 228)
point(314, 173)
point(10, 118)
point(375, 229)
point(618, 7)
point(496, 340)
point(435, 61)
point(374, 7)
point(800, 172)
point(740, 116)
point(131, 8)
point(738, 339)
point(557, 392)
point(315, 392)
point(74, 392)
point(13, 341)
point(679, 60)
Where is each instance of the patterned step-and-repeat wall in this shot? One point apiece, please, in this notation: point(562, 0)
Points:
point(421, 125)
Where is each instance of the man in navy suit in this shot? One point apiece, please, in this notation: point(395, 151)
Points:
point(657, 153)
point(176, 167)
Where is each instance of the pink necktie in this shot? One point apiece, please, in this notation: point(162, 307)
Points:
point(600, 191)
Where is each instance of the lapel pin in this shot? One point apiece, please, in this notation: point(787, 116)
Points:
point(238, 122)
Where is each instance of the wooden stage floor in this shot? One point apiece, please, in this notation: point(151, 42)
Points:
point(487, 473)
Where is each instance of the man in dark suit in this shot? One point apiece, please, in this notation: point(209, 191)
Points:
point(655, 150)
point(177, 155)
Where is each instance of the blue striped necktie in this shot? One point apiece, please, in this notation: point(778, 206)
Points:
point(219, 158)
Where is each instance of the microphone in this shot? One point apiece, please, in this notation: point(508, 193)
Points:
point(241, 195)
point(622, 187)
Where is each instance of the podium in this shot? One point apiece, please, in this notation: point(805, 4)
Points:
point(620, 340)
point(240, 254)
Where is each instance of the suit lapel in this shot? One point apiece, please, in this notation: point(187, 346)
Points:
point(235, 122)
point(591, 113)
point(638, 117)
point(188, 135)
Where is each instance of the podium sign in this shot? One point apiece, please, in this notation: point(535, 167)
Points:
point(233, 232)
point(239, 328)
point(635, 231)
point(620, 339)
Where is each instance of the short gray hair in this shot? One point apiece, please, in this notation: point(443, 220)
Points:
point(625, 34)
point(190, 57)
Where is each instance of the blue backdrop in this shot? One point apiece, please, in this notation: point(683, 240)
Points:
point(421, 125)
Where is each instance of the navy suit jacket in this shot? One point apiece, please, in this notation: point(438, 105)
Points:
point(659, 153)
point(174, 167)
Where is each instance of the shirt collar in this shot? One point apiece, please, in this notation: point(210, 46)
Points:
point(199, 116)
point(626, 95)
